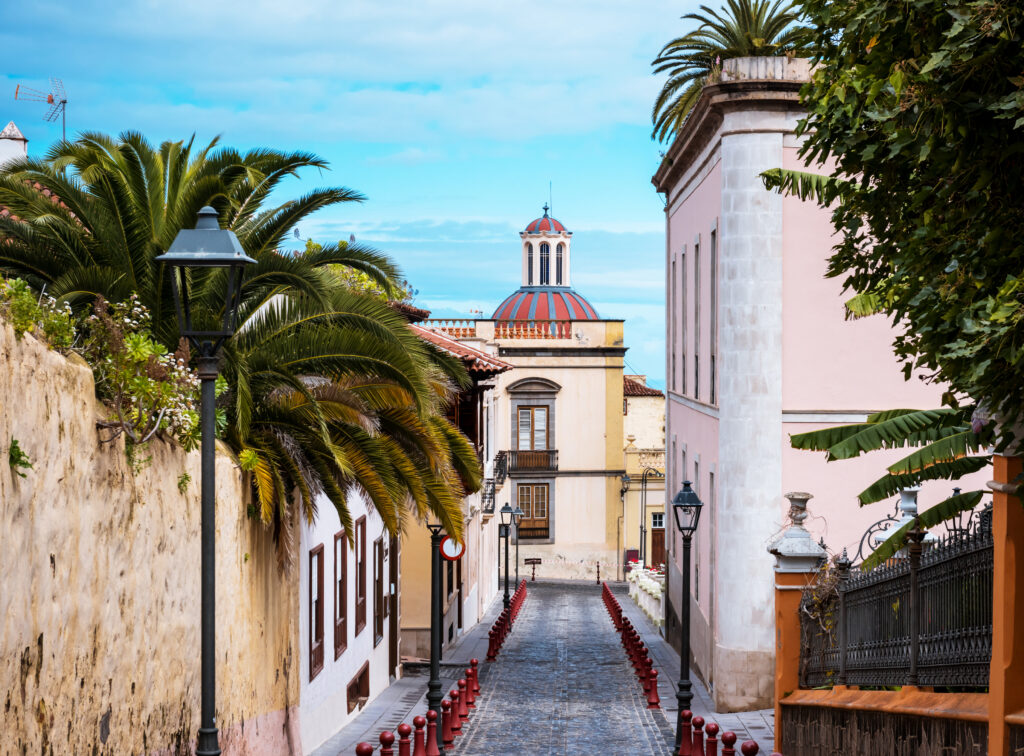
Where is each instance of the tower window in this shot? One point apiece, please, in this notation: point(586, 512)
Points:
point(545, 264)
point(558, 264)
point(529, 265)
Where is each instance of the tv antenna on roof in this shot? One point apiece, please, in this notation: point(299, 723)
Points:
point(56, 98)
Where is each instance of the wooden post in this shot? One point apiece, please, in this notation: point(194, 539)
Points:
point(1006, 694)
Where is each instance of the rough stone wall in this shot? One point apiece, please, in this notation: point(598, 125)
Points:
point(99, 600)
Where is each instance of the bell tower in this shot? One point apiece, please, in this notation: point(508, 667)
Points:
point(546, 255)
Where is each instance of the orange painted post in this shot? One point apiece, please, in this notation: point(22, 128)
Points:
point(797, 559)
point(1006, 670)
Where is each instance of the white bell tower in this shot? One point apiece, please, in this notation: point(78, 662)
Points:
point(546, 256)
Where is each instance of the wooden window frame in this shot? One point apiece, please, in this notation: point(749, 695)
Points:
point(358, 690)
point(532, 409)
point(378, 591)
point(340, 594)
point(316, 611)
point(529, 490)
point(360, 547)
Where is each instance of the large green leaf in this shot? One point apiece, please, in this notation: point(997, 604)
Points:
point(889, 485)
point(944, 510)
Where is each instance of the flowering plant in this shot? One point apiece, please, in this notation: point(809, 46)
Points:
point(149, 389)
point(40, 316)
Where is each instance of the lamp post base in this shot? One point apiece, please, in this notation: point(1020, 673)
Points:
point(207, 744)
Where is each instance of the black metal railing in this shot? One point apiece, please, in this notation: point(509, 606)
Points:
point(923, 618)
point(534, 460)
point(487, 496)
point(500, 467)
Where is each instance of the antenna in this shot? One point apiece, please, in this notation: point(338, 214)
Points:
point(56, 98)
point(551, 203)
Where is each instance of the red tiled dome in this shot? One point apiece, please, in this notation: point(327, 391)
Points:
point(545, 223)
point(545, 303)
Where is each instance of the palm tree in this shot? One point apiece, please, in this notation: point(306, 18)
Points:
point(329, 390)
point(746, 28)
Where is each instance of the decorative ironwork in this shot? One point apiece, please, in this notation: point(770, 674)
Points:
point(874, 629)
point(500, 467)
point(881, 526)
point(532, 460)
point(487, 496)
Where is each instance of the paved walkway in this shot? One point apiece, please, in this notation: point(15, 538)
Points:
point(562, 685)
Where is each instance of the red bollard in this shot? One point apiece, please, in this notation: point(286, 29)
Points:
point(470, 696)
point(686, 730)
point(653, 701)
point(711, 745)
point(492, 651)
point(404, 731)
point(475, 664)
point(386, 739)
point(419, 743)
point(728, 741)
point(698, 737)
point(431, 745)
point(750, 748)
point(364, 749)
point(456, 713)
point(447, 736)
point(463, 704)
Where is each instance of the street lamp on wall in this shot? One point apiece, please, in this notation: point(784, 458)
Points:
point(505, 513)
point(686, 507)
point(198, 255)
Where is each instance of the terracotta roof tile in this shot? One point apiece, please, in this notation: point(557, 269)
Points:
point(474, 360)
point(635, 388)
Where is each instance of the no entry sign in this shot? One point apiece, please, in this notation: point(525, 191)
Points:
point(451, 549)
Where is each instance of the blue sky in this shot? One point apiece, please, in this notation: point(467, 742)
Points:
point(451, 117)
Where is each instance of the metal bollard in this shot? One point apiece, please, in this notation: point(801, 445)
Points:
point(431, 746)
point(686, 730)
point(653, 701)
point(728, 741)
point(447, 737)
point(599, 573)
point(456, 714)
point(711, 744)
point(463, 705)
point(404, 731)
point(492, 651)
point(419, 741)
point(364, 749)
point(750, 748)
point(697, 748)
point(475, 664)
point(386, 739)
point(470, 695)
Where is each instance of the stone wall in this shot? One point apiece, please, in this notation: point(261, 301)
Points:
point(100, 608)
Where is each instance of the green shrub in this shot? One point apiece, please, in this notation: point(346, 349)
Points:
point(39, 315)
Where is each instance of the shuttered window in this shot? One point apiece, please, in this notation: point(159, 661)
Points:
point(533, 428)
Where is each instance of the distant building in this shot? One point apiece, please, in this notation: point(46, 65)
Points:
point(13, 144)
point(643, 485)
point(757, 348)
point(558, 414)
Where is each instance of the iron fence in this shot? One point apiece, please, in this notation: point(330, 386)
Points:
point(923, 618)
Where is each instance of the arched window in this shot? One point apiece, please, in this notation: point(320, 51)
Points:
point(558, 265)
point(529, 265)
point(545, 264)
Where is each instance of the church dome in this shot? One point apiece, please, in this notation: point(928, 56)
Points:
point(545, 224)
point(545, 303)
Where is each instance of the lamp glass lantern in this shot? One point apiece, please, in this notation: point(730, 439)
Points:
point(205, 246)
point(518, 515)
point(686, 506)
point(506, 512)
point(626, 480)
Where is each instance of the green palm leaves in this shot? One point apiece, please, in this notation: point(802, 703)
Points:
point(744, 28)
point(329, 391)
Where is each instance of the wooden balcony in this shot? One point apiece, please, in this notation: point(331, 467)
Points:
point(543, 460)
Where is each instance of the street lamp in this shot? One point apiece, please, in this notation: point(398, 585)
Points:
point(434, 694)
point(517, 517)
point(504, 532)
point(686, 506)
point(207, 246)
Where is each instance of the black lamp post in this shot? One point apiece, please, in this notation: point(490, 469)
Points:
point(207, 246)
point(648, 471)
point(686, 506)
point(517, 517)
point(504, 532)
point(434, 694)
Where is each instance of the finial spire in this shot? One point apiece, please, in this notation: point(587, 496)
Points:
point(546, 208)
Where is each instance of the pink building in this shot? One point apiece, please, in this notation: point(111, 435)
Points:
point(758, 349)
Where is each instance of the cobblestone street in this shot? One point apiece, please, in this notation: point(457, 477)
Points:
point(562, 685)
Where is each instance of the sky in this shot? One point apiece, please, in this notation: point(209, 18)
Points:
point(453, 118)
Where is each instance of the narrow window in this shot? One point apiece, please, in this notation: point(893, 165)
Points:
point(449, 578)
point(545, 263)
point(360, 547)
point(696, 541)
point(714, 316)
point(340, 593)
point(316, 611)
point(673, 326)
point(533, 500)
point(378, 591)
point(533, 428)
point(529, 265)
point(696, 321)
point(359, 688)
point(682, 321)
point(558, 264)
